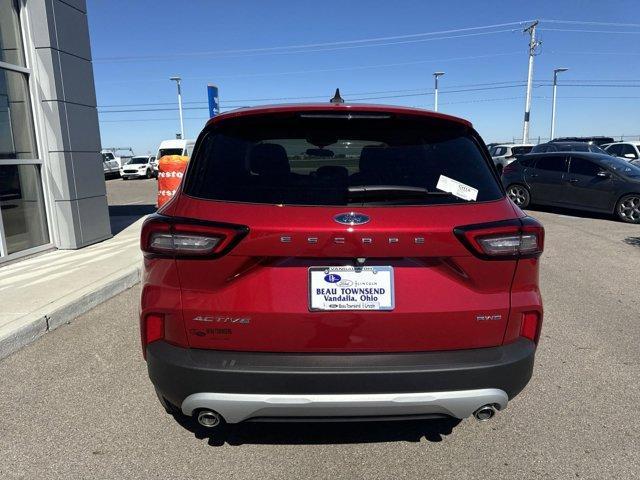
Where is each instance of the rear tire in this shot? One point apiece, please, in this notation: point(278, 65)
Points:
point(628, 208)
point(519, 194)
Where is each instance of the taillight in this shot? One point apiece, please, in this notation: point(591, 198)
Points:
point(177, 237)
point(151, 330)
point(530, 326)
point(509, 239)
point(512, 167)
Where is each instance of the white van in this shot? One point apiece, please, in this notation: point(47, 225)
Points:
point(173, 147)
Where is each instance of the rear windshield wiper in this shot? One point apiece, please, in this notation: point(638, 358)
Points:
point(394, 191)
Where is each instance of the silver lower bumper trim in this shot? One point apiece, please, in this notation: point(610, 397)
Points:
point(236, 407)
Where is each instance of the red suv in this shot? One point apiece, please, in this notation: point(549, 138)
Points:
point(335, 261)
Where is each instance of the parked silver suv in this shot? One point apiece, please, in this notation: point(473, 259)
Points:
point(503, 155)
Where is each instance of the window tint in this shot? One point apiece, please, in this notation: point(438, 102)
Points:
point(578, 147)
point(628, 149)
point(595, 149)
point(527, 161)
point(622, 167)
point(580, 166)
point(520, 150)
point(499, 151)
point(317, 159)
point(169, 151)
point(614, 150)
point(555, 163)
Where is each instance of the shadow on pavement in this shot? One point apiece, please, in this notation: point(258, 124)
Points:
point(633, 241)
point(572, 212)
point(121, 216)
point(321, 433)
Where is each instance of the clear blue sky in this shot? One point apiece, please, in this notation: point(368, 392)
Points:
point(138, 45)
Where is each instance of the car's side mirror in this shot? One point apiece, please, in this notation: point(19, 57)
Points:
point(603, 174)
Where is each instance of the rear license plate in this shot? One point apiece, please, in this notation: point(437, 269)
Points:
point(351, 288)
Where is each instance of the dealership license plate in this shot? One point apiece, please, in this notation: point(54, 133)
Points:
point(351, 288)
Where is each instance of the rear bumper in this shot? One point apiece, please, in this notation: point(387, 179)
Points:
point(452, 382)
point(237, 407)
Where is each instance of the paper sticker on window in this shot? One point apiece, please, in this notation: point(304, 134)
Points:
point(458, 189)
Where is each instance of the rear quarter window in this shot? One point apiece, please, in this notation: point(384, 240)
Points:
point(527, 161)
point(312, 160)
point(552, 163)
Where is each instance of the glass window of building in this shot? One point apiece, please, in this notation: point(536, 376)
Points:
point(11, 50)
point(23, 221)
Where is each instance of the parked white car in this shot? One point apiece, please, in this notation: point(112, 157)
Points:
point(137, 167)
point(627, 150)
point(503, 155)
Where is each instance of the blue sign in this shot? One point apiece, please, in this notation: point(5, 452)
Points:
point(214, 104)
point(332, 278)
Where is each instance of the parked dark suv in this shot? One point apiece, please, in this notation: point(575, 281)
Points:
point(597, 140)
point(335, 261)
point(587, 181)
point(566, 147)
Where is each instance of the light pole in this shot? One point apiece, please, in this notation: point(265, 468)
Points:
point(553, 102)
point(177, 80)
point(435, 99)
point(533, 45)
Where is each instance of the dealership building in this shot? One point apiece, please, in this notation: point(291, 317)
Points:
point(52, 189)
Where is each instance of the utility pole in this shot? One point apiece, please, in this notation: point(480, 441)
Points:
point(435, 92)
point(553, 102)
point(177, 80)
point(533, 45)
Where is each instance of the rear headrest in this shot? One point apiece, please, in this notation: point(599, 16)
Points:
point(269, 159)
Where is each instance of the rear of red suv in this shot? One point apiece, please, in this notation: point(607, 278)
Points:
point(339, 262)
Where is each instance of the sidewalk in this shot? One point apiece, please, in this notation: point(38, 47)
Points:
point(41, 293)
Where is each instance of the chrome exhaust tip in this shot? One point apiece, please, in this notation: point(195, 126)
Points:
point(209, 418)
point(484, 413)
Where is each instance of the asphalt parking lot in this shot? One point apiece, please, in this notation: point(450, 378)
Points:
point(77, 403)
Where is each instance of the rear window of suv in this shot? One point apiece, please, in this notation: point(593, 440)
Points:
point(332, 159)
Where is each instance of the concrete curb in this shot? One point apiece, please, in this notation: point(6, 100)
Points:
point(30, 327)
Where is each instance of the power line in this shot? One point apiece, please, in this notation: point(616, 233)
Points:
point(624, 32)
point(416, 93)
point(313, 96)
point(323, 70)
point(369, 42)
point(573, 82)
point(300, 48)
point(623, 54)
point(405, 95)
point(580, 22)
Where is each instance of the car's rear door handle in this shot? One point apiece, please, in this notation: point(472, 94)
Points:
point(573, 180)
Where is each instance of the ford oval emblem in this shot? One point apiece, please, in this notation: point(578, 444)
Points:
point(351, 218)
point(332, 278)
